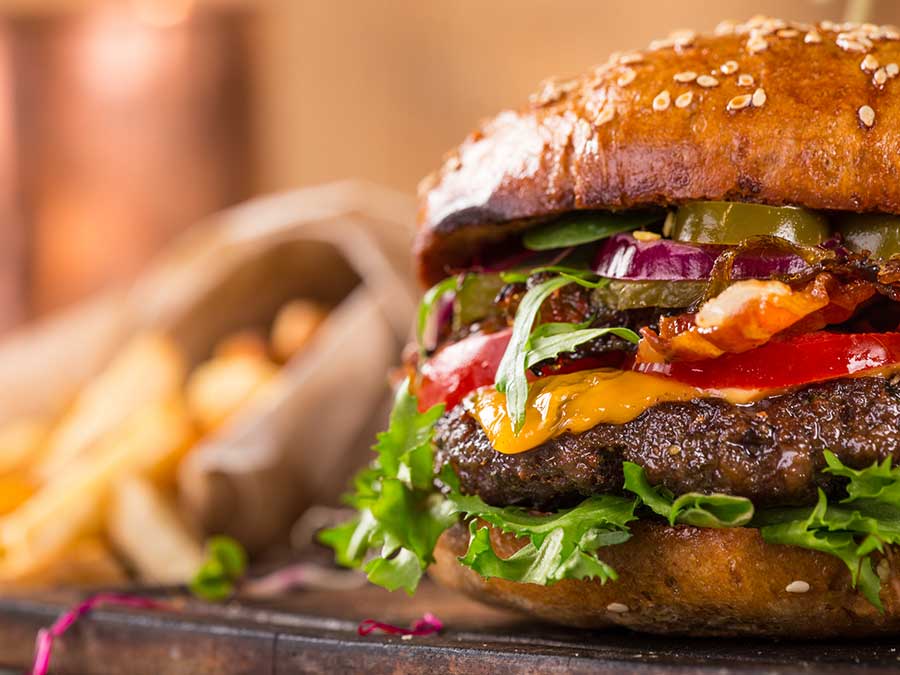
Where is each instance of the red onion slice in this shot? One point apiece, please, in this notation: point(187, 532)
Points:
point(624, 257)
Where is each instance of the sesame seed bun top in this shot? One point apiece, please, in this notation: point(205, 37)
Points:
point(766, 111)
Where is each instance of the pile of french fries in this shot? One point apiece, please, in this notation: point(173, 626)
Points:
point(88, 498)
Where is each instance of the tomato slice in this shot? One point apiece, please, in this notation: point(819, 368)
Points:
point(460, 368)
point(464, 366)
point(802, 359)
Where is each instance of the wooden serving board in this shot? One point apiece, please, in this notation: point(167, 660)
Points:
point(315, 632)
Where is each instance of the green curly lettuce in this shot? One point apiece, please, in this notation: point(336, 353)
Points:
point(864, 522)
point(402, 513)
point(561, 545)
point(404, 507)
point(693, 508)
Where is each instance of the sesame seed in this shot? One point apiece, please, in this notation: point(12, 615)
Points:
point(669, 223)
point(725, 28)
point(850, 45)
point(869, 63)
point(788, 33)
point(656, 45)
point(739, 102)
point(643, 235)
point(661, 102)
point(674, 449)
point(685, 76)
point(827, 25)
point(797, 587)
point(759, 98)
point(729, 67)
point(812, 38)
point(617, 607)
point(892, 69)
point(707, 81)
point(630, 58)
point(682, 38)
point(891, 34)
point(756, 44)
point(880, 77)
point(866, 115)
point(853, 42)
point(757, 20)
point(626, 78)
point(605, 115)
point(406, 637)
point(745, 80)
point(553, 90)
point(684, 100)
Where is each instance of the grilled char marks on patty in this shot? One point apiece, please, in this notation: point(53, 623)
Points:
point(769, 451)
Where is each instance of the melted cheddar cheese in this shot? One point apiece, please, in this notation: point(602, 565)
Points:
point(580, 401)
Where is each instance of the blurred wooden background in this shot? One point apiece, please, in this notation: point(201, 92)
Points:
point(123, 122)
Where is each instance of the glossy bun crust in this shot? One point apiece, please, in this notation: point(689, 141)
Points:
point(691, 581)
point(819, 126)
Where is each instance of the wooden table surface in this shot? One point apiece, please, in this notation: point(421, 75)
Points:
point(315, 632)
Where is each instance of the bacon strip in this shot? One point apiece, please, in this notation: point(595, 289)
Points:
point(748, 314)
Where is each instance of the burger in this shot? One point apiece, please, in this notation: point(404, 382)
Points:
point(657, 374)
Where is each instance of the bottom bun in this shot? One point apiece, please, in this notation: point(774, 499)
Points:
point(686, 580)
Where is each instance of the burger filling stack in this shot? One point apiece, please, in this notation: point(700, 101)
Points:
point(657, 373)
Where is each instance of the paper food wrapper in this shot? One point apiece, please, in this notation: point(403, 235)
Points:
point(344, 245)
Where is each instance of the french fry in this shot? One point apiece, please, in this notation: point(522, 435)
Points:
point(146, 530)
point(70, 505)
point(220, 387)
point(15, 489)
point(296, 323)
point(21, 442)
point(243, 343)
point(148, 368)
point(84, 563)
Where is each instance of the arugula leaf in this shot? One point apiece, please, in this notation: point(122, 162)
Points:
point(579, 276)
point(582, 228)
point(510, 378)
point(224, 566)
point(401, 514)
point(432, 295)
point(561, 545)
point(528, 347)
point(549, 340)
point(692, 508)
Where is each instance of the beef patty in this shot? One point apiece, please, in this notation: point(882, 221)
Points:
point(769, 451)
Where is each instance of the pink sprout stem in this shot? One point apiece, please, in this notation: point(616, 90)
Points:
point(429, 624)
point(45, 637)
